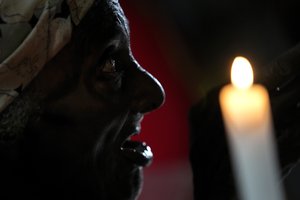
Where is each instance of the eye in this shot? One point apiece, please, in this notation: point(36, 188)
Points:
point(109, 63)
point(109, 66)
point(109, 70)
point(109, 75)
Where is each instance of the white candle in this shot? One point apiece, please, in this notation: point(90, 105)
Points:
point(247, 117)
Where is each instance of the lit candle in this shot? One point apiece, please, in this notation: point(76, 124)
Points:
point(247, 117)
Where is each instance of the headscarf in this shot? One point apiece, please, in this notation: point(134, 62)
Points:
point(31, 33)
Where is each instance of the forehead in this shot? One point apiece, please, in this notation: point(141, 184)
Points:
point(105, 20)
point(113, 15)
point(120, 16)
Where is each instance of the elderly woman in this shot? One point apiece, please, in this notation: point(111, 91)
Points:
point(71, 95)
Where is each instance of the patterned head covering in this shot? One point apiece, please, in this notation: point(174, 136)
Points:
point(31, 33)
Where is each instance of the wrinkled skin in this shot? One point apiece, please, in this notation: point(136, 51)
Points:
point(88, 100)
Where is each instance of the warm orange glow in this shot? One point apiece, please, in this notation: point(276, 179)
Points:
point(241, 73)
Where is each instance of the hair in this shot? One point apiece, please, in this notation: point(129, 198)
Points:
point(13, 119)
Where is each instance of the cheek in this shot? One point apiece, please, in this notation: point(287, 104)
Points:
point(81, 121)
point(68, 136)
point(58, 75)
point(81, 105)
point(56, 145)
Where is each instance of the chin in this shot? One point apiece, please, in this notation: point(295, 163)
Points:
point(119, 178)
point(125, 187)
point(120, 181)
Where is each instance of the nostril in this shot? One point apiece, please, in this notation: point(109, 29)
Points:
point(149, 95)
point(150, 107)
point(147, 106)
point(153, 106)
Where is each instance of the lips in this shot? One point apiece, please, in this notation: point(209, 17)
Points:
point(136, 152)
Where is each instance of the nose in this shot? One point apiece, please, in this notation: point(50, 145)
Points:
point(148, 93)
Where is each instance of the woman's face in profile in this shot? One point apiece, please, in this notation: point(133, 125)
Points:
point(94, 97)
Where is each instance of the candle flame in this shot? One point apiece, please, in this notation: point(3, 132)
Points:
point(241, 73)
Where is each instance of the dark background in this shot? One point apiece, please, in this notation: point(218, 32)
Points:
point(189, 46)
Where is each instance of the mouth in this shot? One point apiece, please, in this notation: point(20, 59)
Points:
point(136, 152)
point(139, 153)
